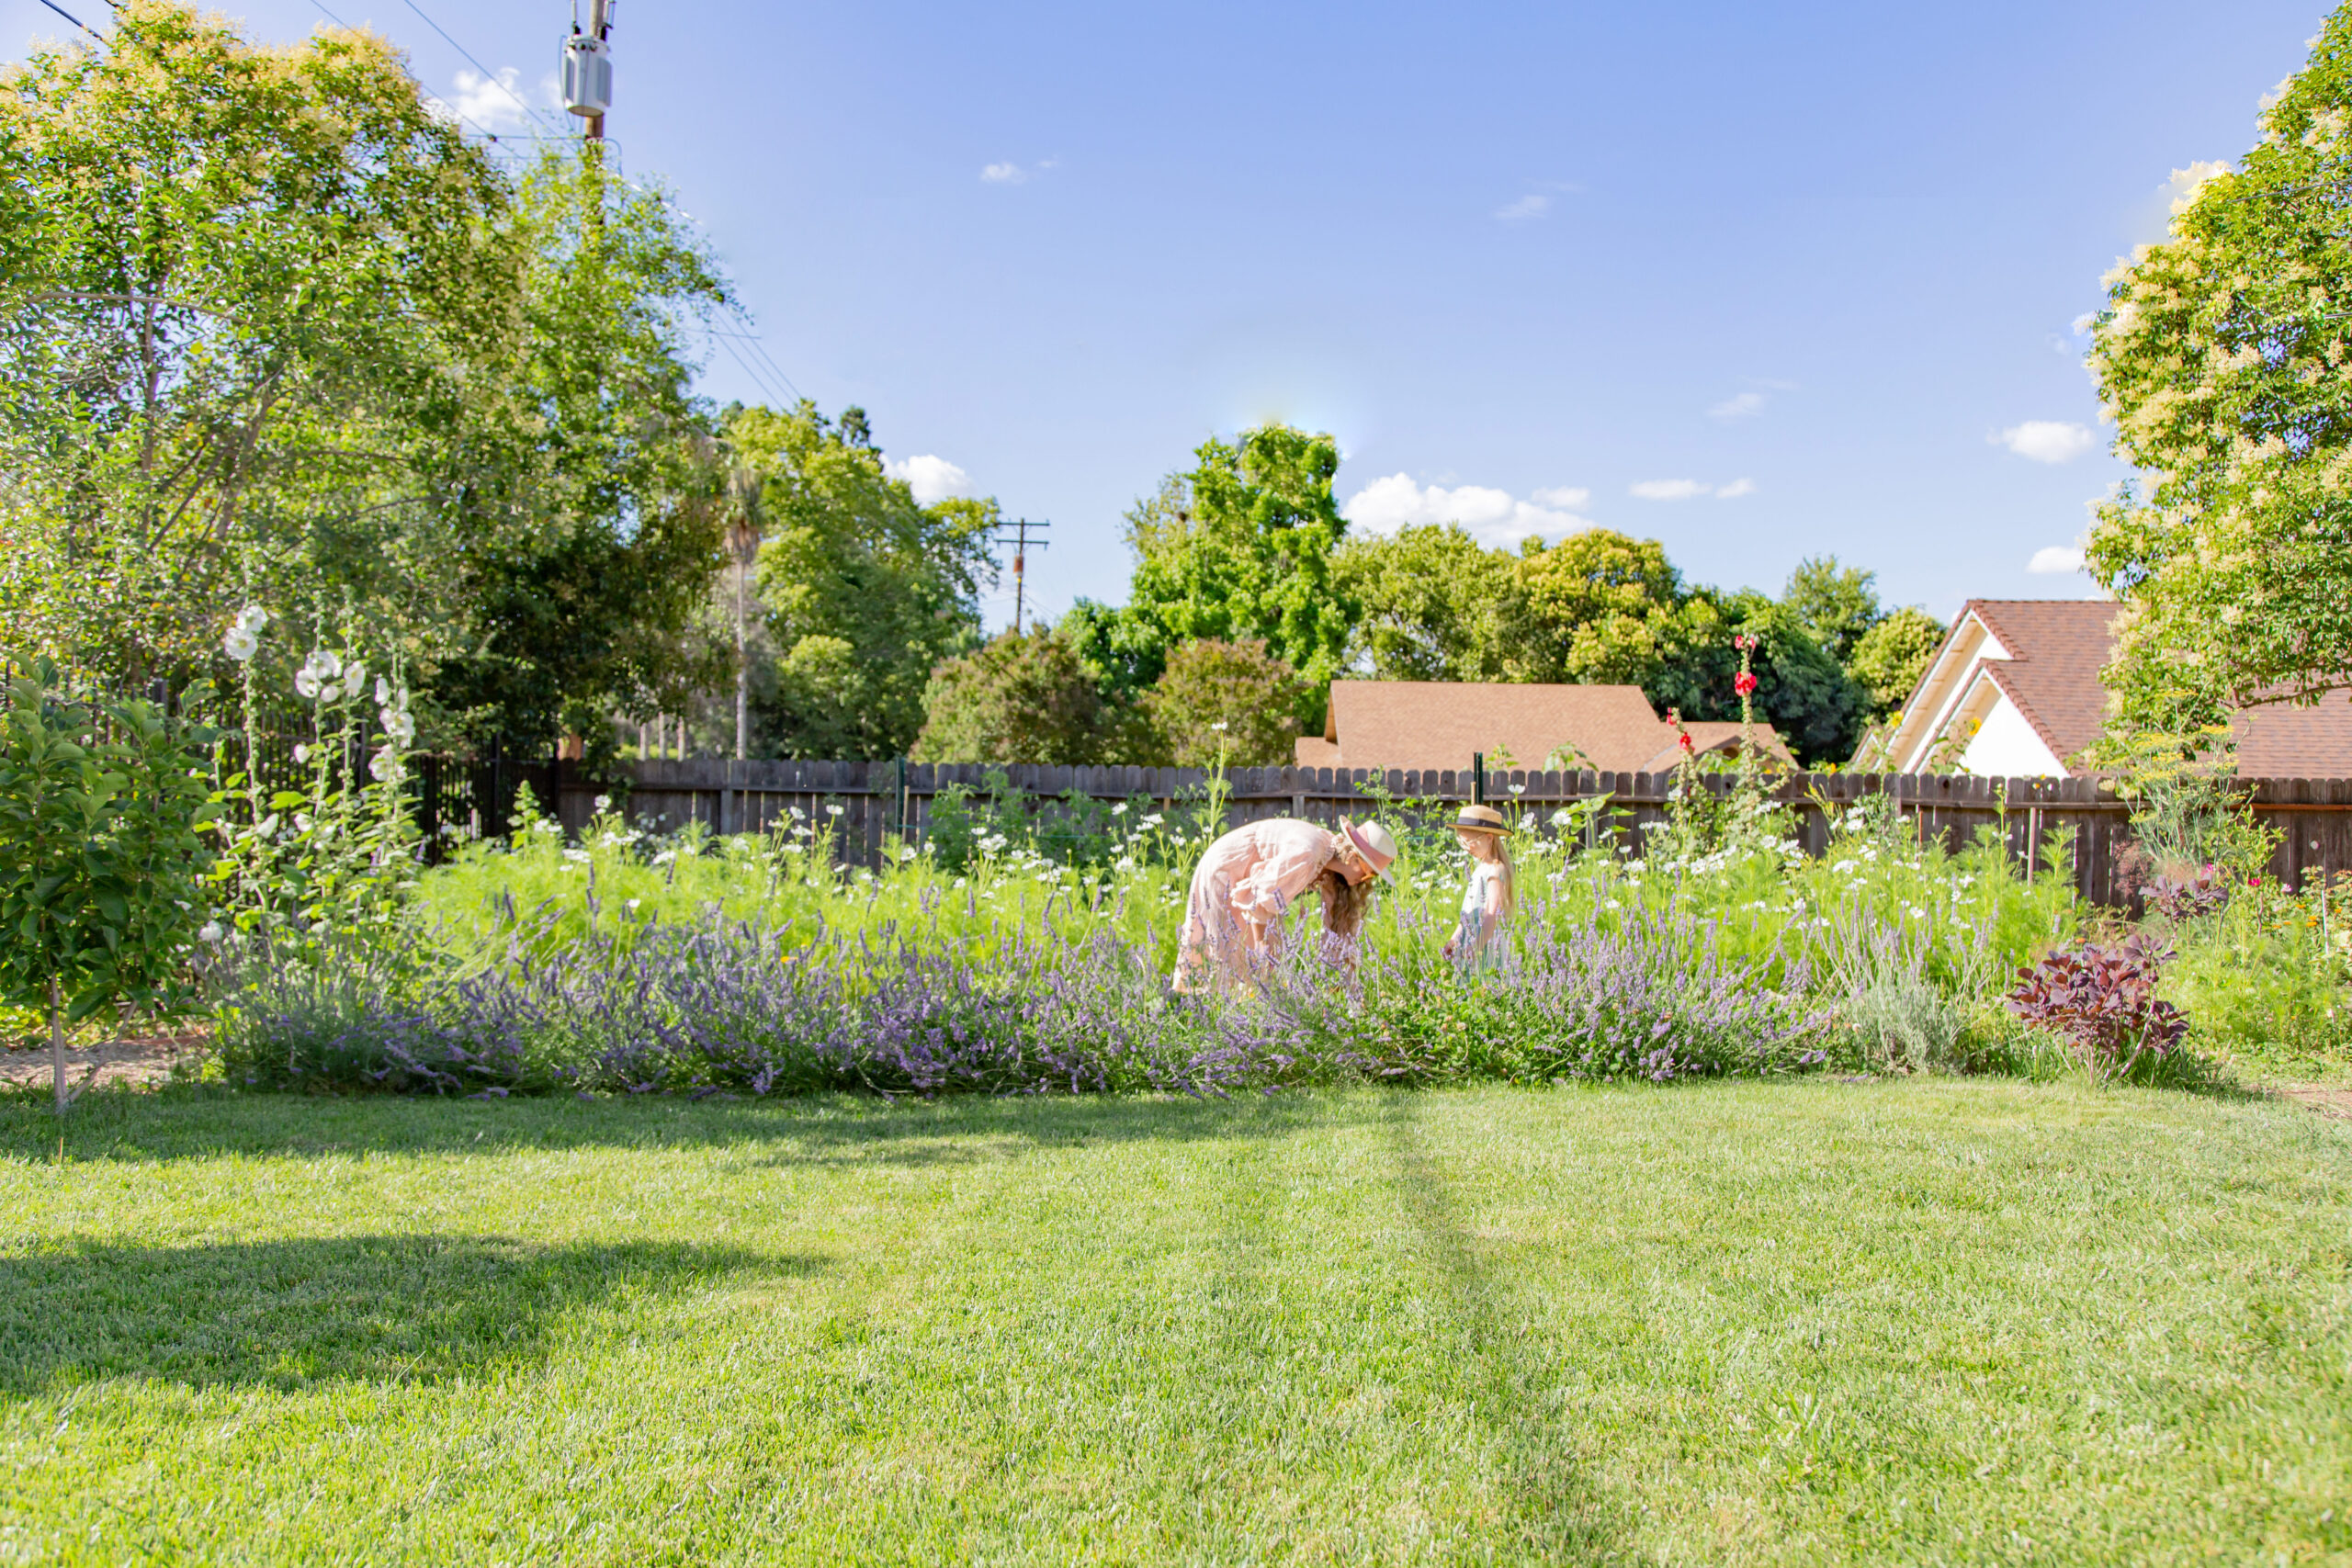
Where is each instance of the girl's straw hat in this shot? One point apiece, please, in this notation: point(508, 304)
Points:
point(1481, 820)
point(1375, 844)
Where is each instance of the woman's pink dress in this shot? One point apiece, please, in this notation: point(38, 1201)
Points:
point(1246, 881)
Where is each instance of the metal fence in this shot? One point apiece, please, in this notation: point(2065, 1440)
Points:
point(881, 799)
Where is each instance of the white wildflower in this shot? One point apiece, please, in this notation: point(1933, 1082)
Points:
point(1120, 809)
point(578, 856)
point(833, 812)
point(302, 753)
point(211, 933)
point(604, 804)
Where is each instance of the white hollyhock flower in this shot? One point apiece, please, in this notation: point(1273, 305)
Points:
point(383, 690)
point(251, 618)
point(239, 644)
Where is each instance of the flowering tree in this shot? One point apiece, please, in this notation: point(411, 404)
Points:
point(2222, 358)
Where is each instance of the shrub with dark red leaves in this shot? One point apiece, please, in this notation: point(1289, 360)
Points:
point(2102, 1000)
point(2179, 898)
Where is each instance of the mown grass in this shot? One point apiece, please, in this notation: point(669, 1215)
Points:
point(1742, 1323)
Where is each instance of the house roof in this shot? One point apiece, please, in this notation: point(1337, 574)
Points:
point(2056, 648)
point(1438, 724)
point(1712, 734)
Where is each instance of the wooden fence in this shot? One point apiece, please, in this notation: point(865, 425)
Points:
point(877, 799)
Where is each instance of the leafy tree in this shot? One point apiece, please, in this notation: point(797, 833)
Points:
point(1603, 608)
point(1239, 545)
point(1232, 700)
point(1837, 605)
point(246, 290)
point(2222, 358)
point(862, 593)
point(1434, 604)
point(598, 492)
point(1816, 707)
point(101, 855)
point(1892, 657)
point(1024, 697)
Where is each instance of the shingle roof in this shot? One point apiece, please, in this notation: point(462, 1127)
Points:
point(1714, 735)
point(1438, 724)
point(2057, 648)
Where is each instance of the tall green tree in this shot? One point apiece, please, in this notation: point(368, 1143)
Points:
point(1433, 605)
point(1836, 605)
point(244, 291)
point(862, 591)
point(1237, 546)
point(2221, 357)
point(591, 490)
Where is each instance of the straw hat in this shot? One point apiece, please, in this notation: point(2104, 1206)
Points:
point(1374, 843)
point(1481, 820)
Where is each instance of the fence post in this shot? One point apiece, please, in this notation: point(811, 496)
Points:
point(899, 795)
point(1478, 777)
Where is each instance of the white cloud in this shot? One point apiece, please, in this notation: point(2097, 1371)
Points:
point(1743, 405)
point(1489, 515)
point(1532, 205)
point(1690, 490)
point(2045, 440)
point(931, 478)
point(1012, 174)
point(492, 103)
point(2052, 558)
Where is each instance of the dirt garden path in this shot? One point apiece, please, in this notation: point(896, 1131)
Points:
point(139, 1061)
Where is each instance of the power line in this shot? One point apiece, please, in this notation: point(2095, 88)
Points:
point(487, 74)
point(70, 16)
point(766, 391)
point(758, 347)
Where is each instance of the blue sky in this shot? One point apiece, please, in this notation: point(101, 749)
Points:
point(1758, 281)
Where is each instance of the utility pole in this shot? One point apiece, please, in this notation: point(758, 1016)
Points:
point(588, 69)
point(1021, 563)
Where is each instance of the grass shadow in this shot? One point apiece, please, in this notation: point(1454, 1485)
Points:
point(207, 1121)
point(1558, 1515)
point(291, 1314)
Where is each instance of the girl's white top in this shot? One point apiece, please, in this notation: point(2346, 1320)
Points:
point(1481, 933)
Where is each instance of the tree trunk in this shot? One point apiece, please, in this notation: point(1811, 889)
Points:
point(743, 667)
point(57, 1045)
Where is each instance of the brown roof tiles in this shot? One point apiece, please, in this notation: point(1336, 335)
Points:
point(1438, 724)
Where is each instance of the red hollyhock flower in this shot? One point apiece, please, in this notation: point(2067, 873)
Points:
point(1744, 683)
point(1688, 745)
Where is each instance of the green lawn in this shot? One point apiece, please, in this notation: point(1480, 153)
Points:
point(1929, 1321)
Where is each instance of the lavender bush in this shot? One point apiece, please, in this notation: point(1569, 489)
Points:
point(735, 1008)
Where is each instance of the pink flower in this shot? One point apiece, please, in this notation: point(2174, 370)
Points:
point(1744, 683)
point(1688, 746)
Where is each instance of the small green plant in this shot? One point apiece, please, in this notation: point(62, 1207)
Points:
point(101, 855)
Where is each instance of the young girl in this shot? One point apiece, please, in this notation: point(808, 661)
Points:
point(1477, 942)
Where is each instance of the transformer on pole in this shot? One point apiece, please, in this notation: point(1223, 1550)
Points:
point(588, 67)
